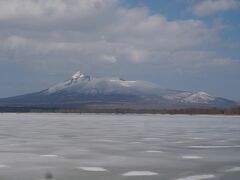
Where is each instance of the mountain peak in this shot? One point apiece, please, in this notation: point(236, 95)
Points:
point(200, 97)
point(202, 93)
point(78, 75)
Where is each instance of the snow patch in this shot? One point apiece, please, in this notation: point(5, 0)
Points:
point(154, 151)
point(49, 155)
point(199, 97)
point(4, 166)
point(198, 138)
point(212, 147)
point(150, 139)
point(191, 157)
point(179, 96)
point(234, 169)
point(124, 83)
point(140, 173)
point(198, 177)
point(136, 142)
point(94, 169)
point(78, 75)
point(189, 97)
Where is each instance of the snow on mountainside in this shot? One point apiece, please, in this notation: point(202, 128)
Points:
point(200, 97)
point(83, 89)
point(85, 84)
point(189, 97)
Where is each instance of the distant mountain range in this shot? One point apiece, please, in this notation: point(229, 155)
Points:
point(90, 92)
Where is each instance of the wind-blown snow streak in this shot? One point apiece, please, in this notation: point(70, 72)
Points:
point(234, 169)
point(4, 166)
point(94, 169)
point(140, 173)
point(198, 177)
point(214, 147)
point(191, 157)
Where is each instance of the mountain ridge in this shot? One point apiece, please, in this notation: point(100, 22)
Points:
point(84, 90)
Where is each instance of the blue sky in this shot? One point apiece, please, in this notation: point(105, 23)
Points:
point(181, 44)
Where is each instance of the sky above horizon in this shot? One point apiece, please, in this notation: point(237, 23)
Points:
point(179, 44)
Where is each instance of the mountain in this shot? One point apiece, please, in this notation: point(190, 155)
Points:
point(85, 91)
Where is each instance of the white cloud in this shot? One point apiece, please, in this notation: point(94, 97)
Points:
point(207, 7)
point(54, 9)
point(54, 38)
point(138, 56)
point(14, 42)
point(94, 31)
point(109, 58)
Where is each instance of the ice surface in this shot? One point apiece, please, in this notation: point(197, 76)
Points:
point(106, 146)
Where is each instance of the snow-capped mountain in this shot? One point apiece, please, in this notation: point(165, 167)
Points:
point(87, 85)
point(81, 90)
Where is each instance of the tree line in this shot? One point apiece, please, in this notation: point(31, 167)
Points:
point(228, 111)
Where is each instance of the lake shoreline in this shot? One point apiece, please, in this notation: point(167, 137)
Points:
point(183, 111)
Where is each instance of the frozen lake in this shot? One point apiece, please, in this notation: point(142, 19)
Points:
point(116, 147)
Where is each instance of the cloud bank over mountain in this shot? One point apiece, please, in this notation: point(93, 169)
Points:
point(97, 30)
